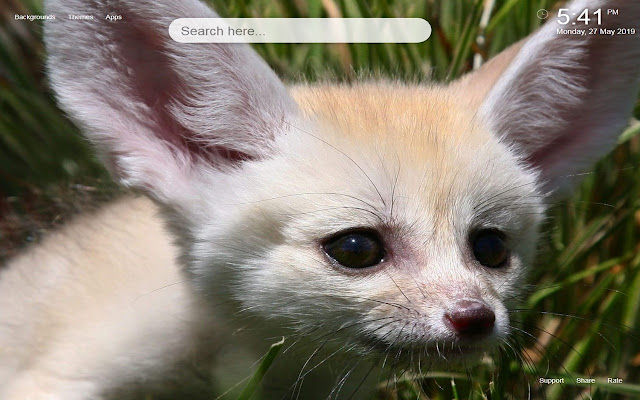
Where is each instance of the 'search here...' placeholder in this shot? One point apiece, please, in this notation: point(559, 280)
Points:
point(300, 30)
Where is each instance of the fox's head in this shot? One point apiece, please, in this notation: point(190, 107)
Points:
point(395, 216)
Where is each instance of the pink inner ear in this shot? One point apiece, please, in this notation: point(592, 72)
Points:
point(556, 160)
point(162, 112)
point(563, 100)
point(578, 146)
point(144, 61)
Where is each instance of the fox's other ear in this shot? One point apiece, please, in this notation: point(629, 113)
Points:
point(560, 100)
point(160, 112)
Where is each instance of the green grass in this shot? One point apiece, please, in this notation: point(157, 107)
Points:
point(580, 317)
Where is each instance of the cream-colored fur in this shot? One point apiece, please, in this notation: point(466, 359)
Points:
point(74, 305)
point(249, 180)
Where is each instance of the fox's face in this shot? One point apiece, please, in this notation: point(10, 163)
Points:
point(389, 214)
point(394, 216)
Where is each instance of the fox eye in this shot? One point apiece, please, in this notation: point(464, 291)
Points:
point(489, 248)
point(359, 249)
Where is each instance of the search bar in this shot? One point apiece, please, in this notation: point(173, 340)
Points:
point(300, 30)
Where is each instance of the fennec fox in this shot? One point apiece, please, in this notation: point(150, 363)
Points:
point(396, 218)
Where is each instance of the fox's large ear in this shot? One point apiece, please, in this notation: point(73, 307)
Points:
point(160, 112)
point(561, 99)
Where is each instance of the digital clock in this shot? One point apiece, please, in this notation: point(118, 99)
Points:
point(564, 17)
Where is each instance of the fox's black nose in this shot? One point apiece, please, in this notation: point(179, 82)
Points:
point(470, 318)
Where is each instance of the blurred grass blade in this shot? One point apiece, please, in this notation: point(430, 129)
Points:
point(255, 380)
point(630, 132)
point(464, 44)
